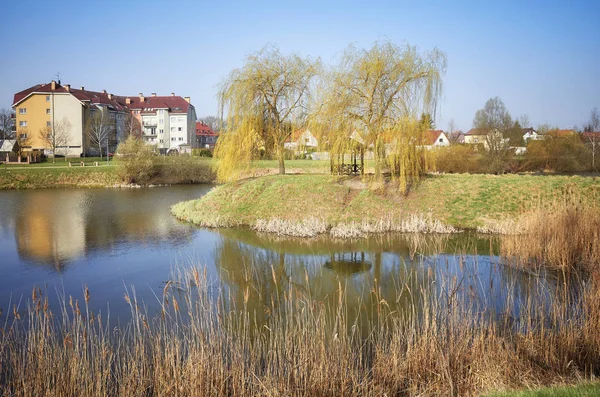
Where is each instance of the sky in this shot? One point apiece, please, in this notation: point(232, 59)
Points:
point(542, 58)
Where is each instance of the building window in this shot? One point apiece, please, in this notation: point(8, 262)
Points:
point(162, 141)
point(23, 136)
point(161, 121)
point(47, 98)
point(173, 119)
point(162, 131)
point(22, 110)
point(48, 124)
point(22, 123)
point(180, 119)
point(178, 128)
point(181, 138)
point(47, 111)
point(172, 129)
point(173, 139)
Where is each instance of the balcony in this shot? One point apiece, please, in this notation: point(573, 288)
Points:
point(149, 123)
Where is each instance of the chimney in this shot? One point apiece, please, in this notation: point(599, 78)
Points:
point(127, 101)
point(82, 88)
point(172, 94)
point(68, 87)
point(53, 85)
point(104, 92)
point(141, 97)
point(110, 96)
point(154, 94)
point(187, 98)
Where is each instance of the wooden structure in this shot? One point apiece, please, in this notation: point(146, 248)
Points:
point(356, 152)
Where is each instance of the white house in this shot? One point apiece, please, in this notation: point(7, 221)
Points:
point(302, 138)
point(436, 138)
point(530, 133)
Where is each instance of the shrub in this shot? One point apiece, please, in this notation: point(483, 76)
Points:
point(135, 161)
point(457, 159)
point(558, 153)
point(201, 153)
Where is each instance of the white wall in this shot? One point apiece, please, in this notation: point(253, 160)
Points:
point(70, 108)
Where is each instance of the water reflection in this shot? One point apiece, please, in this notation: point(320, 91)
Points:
point(399, 272)
point(55, 227)
point(109, 239)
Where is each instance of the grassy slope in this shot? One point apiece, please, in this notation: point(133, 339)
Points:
point(44, 177)
point(459, 200)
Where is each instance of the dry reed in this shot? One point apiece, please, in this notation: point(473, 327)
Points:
point(205, 344)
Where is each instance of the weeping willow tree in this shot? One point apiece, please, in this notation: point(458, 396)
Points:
point(265, 101)
point(375, 96)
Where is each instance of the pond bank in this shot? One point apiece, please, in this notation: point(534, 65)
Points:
point(308, 205)
point(50, 176)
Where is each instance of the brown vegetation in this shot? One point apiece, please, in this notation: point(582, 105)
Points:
point(448, 341)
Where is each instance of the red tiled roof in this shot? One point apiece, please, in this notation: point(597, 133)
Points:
point(591, 135)
point(175, 104)
point(432, 136)
point(477, 131)
point(205, 130)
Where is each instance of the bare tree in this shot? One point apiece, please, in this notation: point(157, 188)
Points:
point(451, 126)
point(524, 120)
point(56, 136)
point(494, 115)
point(98, 129)
point(213, 122)
point(593, 125)
point(133, 127)
point(6, 124)
point(23, 140)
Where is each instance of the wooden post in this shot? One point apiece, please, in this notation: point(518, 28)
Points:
point(70, 164)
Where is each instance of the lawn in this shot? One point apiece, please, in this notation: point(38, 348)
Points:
point(464, 201)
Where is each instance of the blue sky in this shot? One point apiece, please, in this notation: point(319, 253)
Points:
point(541, 57)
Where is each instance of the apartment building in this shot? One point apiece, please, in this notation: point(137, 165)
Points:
point(168, 122)
point(165, 121)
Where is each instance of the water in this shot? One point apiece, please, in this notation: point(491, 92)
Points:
point(118, 240)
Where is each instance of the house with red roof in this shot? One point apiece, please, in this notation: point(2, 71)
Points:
point(167, 122)
point(301, 138)
point(436, 138)
point(488, 138)
point(206, 138)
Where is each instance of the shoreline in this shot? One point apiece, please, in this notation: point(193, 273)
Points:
point(350, 207)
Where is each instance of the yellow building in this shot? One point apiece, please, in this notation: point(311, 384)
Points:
point(46, 109)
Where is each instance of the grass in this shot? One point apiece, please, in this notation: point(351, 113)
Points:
point(359, 206)
point(167, 170)
point(584, 390)
point(45, 177)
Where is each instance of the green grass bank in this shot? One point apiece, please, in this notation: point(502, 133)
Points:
point(306, 205)
point(162, 171)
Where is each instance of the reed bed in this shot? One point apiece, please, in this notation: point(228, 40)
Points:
point(565, 237)
point(208, 342)
point(309, 227)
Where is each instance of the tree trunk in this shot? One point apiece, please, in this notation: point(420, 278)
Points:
point(280, 158)
point(100, 150)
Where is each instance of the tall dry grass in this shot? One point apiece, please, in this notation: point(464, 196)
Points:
point(202, 343)
point(565, 237)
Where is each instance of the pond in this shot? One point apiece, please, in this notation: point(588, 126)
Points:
point(113, 241)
